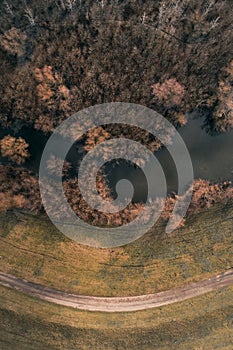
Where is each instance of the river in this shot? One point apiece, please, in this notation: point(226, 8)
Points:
point(211, 155)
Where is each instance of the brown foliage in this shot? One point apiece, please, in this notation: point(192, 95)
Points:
point(170, 93)
point(54, 163)
point(13, 41)
point(50, 88)
point(206, 194)
point(16, 149)
point(95, 136)
point(50, 85)
point(45, 124)
point(97, 61)
point(9, 201)
point(19, 188)
point(78, 63)
point(86, 213)
point(100, 134)
point(223, 113)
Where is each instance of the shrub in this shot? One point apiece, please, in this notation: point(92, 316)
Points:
point(16, 149)
point(170, 93)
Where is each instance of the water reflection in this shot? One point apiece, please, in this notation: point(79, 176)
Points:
point(212, 158)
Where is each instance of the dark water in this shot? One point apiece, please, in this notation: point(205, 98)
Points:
point(212, 157)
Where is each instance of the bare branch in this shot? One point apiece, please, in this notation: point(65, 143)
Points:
point(8, 8)
point(101, 3)
point(66, 5)
point(29, 15)
point(209, 6)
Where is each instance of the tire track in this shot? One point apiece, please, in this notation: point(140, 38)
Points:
point(118, 304)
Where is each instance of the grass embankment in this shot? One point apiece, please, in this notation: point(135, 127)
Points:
point(200, 323)
point(30, 247)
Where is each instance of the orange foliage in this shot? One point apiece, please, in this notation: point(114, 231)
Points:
point(16, 149)
point(45, 124)
point(96, 136)
point(13, 41)
point(170, 93)
point(18, 189)
point(50, 85)
point(223, 113)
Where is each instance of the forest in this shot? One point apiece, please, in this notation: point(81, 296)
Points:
point(173, 59)
point(60, 56)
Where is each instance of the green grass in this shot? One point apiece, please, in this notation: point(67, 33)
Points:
point(200, 323)
point(30, 247)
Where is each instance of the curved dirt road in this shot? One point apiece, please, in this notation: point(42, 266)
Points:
point(118, 304)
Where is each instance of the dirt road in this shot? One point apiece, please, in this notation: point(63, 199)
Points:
point(118, 304)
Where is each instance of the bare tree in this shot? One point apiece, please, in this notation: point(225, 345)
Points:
point(66, 5)
point(172, 12)
point(208, 7)
point(8, 8)
point(29, 15)
point(143, 18)
point(102, 3)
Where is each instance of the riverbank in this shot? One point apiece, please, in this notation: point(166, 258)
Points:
point(31, 248)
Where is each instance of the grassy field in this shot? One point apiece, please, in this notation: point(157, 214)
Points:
point(203, 323)
point(30, 247)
